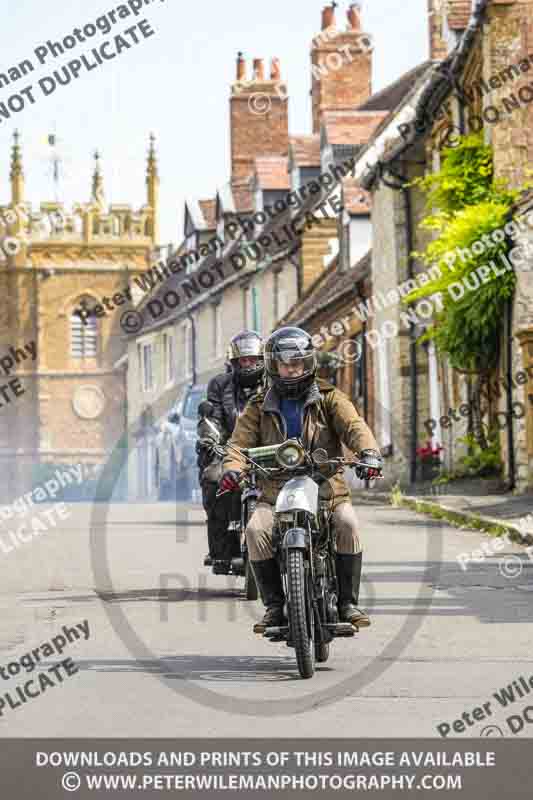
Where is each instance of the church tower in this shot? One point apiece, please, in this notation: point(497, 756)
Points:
point(68, 403)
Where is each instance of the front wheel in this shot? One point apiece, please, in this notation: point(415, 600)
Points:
point(300, 624)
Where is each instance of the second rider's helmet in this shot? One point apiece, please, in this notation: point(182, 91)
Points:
point(288, 345)
point(247, 344)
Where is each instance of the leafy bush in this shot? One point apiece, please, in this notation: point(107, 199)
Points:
point(481, 462)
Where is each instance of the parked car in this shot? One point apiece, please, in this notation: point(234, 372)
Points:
point(176, 473)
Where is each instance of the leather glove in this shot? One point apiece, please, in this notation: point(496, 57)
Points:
point(230, 481)
point(205, 446)
point(372, 467)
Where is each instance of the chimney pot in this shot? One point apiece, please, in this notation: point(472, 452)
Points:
point(275, 70)
point(259, 71)
point(241, 67)
point(328, 16)
point(354, 16)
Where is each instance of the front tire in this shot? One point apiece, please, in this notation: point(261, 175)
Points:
point(300, 624)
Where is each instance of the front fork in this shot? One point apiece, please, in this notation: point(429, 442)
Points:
point(300, 538)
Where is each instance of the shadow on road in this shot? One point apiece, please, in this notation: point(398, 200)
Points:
point(171, 595)
point(225, 669)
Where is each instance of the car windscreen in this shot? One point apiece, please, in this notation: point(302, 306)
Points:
point(190, 409)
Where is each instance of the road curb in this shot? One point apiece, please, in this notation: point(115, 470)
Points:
point(491, 525)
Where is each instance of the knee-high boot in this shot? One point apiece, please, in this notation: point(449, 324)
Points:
point(269, 583)
point(349, 579)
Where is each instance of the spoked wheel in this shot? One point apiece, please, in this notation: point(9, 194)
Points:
point(300, 617)
point(250, 586)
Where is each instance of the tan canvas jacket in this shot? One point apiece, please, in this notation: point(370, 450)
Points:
point(330, 420)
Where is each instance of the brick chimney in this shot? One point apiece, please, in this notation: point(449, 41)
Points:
point(354, 17)
point(437, 45)
point(259, 117)
point(341, 65)
point(241, 68)
point(328, 17)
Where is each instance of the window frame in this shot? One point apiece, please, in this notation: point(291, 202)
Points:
point(144, 346)
point(169, 358)
point(86, 330)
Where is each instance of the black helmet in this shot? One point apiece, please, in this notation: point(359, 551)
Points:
point(246, 344)
point(286, 345)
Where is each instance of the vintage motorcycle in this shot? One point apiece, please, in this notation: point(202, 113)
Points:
point(239, 565)
point(303, 544)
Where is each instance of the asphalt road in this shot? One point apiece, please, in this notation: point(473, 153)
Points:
point(171, 652)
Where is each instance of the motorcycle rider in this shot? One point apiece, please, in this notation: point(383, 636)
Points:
point(228, 392)
point(299, 405)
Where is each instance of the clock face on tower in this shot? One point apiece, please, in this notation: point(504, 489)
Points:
point(88, 402)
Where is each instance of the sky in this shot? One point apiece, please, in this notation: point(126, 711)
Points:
point(175, 84)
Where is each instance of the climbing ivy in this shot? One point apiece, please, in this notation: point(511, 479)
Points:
point(466, 204)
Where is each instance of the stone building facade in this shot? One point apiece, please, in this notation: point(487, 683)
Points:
point(72, 405)
point(485, 52)
point(267, 166)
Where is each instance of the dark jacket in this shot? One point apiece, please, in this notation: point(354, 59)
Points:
point(329, 421)
point(226, 400)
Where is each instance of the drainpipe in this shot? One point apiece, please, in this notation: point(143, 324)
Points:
point(404, 188)
point(193, 339)
point(364, 366)
point(255, 310)
point(294, 258)
point(412, 343)
point(511, 456)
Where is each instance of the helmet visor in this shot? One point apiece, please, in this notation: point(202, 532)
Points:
point(290, 363)
point(246, 346)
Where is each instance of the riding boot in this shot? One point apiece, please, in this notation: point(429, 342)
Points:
point(349, 579)
point(268, 579)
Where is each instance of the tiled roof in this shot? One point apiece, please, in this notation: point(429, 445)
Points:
point(351, 127)
point(355, 200)
point(389, 97)
point(280, 247)
point(237, 197)
point(272, 172)
point(305, 150)
point(196, 214)
point(329, 287)
point(386, 138)
point(208, 210)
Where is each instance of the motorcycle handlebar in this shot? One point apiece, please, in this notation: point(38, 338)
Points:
point(274, 472)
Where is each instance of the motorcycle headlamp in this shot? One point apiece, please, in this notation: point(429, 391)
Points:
point(290, 455)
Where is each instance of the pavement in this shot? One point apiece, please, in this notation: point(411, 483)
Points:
point(471, 499)
point(170, 650)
